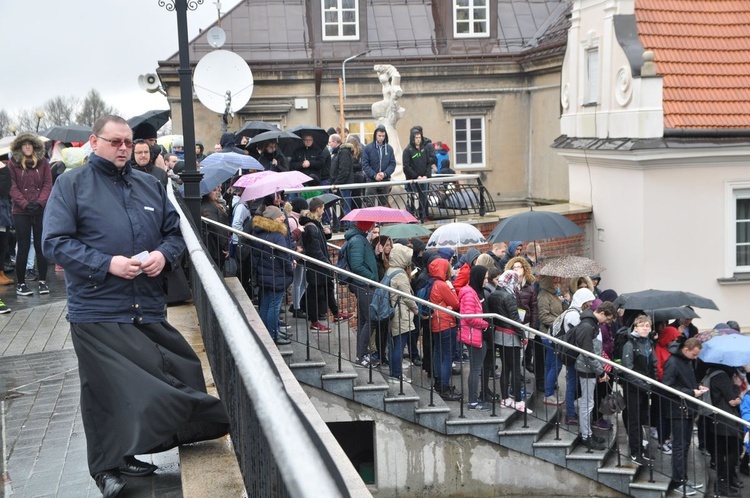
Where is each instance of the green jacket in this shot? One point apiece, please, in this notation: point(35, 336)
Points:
point(361, 256)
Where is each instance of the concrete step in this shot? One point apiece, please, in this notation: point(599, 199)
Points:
point(431, 412)
point(306, 366)
point(586, 462)
point(521, 435)
point(617, 476)
point(339, 383)
point(370, 388)
point(640, 487)
point(401, 400)
point(553, 446)
point(482, 424)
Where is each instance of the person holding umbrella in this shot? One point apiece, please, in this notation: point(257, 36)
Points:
point(270, 157)
point(308, 158)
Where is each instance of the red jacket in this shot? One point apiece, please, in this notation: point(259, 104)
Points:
point(667, 335)
point(462, 278)
point(30, 185)
point(442, 295)
point(471, 328)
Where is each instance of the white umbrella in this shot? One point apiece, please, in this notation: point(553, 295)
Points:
point(456, 235)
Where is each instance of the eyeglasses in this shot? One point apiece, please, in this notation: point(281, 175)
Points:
point(118, 143)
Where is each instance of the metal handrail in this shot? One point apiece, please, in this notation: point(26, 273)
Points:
point(391, 183)
point(456, 314)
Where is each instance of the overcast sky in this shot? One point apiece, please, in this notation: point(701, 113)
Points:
point(68, 47)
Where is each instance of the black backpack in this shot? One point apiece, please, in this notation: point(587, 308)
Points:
point(425, 311)
point(622, 336)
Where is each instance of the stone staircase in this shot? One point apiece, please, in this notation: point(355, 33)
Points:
point(535, 435)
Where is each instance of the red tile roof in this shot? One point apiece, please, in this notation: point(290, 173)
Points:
point(702, 50)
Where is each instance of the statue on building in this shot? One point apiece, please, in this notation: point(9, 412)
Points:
point(387, 111)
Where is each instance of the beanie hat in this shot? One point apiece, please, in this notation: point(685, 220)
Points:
point(272, 212)
point(365, 226)
point(299, 204)
point(144, 131)
point(178, 141)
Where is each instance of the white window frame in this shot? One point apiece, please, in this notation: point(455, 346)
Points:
point(340, 23)
point(471, 9)
point(591, 76)
point(455, 164)
point(734, 190)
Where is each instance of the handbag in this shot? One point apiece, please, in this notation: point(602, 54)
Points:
point(231, 268)
point(612, 403)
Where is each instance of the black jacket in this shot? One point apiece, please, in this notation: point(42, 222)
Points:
point(586, 332)
point(416, 160)
point(638, 354)
point(313, 154)
point(679, 374)
point(504, 303)
point(722, 391)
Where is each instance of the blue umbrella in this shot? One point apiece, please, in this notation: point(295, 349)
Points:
point(732, 350)
point(215, 175)
point(239, 161)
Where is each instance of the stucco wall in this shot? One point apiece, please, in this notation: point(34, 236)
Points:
point(416, 462)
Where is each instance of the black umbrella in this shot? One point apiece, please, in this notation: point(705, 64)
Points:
point(155, 118)
point(666, 314)
point(328, 199)
point(282, 137)
point(653, 299)
point(68, 134)
point(320, 136)
point(252, 128)
point(534, 225)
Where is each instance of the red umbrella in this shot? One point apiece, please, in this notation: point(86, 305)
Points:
point(380, 214)
point(274, 183)
point(246, 180)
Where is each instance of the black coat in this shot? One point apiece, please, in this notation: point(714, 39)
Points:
point(679, 374)
point(722, 391)
point(504, 303)
point(312, 154)
point(315, 245)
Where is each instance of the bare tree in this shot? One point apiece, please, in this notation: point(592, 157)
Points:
point(60, 110)
point(4, 123)
point(26, 121)
point(93, 107)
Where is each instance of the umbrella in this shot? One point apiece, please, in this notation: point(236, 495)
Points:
point(657, 299)
point(320, 136)
point(246, 180)
point(572, 266)
point(215, 175)
point(274, 183)
point(405, 231)
point(732, 350)
point(665, 314)
point(710, 334)
point(157, 119)
point(456, 234)
point(534, 225)
point(239, 161)
point(68, 134)
point(283, 137)
point(328, 199)
point(380, 214)
point(252, 128)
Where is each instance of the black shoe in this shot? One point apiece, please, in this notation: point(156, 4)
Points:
point(23, 290)
point(417, 362)
point(593, 444)
point(136, 468)
point(488, 395)
point(109, 483)
point(282, 341)
point(298, 313)
point(598, 439)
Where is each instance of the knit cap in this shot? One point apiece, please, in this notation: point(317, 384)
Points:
point(272, 212)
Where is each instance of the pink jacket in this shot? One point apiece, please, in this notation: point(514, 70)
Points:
point(471, 328)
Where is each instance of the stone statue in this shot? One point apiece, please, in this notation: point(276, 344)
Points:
point(387, 111)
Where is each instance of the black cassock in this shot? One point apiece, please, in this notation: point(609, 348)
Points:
point(142, 391)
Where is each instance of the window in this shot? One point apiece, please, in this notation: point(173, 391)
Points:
point(591, 95)
point(468, 135)
point(741, 223)
point(363, 129)
point(340, 19)
point(470, 19)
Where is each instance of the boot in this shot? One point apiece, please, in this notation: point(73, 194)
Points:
point(5, 280)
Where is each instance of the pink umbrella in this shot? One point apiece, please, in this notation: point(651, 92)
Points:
point(381, 215)
point(274, 183)
point(246, 180)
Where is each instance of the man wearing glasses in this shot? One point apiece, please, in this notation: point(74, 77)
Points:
point(115, 233)
point(142, 161)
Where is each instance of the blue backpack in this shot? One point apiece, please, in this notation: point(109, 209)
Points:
point(380, 306)
point(424, 293)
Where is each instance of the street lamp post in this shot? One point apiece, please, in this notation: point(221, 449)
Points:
point(13, 129)
point(39, 117)
point(190, 176)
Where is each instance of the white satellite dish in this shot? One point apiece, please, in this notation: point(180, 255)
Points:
point(216, 37)
point(219, 72)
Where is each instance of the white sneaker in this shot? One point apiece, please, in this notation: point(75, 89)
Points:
point(521, 406)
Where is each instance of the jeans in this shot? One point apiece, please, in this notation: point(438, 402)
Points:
point(397, 344)
point(364, 298)
point(571, 378)
point(441, 357)
point(586, 405)
point(552, 368)
point(682, 431)
point(270, 309)
point(418, 191)
point(26, 225)
point(476, 360)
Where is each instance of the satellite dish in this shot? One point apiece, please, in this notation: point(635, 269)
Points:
point(216, 37)
point(149, 82)
point(219, 72)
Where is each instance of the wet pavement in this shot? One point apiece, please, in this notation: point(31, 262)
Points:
point(44, 447)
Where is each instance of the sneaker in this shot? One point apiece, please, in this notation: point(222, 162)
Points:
point(449, 394)
point(31, 274)
point(417, 362)
point(284, 326)
point(666, 448)
point(521, 407)
point(654, 433)
point(298, 313)
point(478, 405)
point(59, 268)
point(684, 490)
point(342, 317)
point(319, 327)
point(602, 425)
point(571, 420)
point(282, 341)
point(23, 290)
point(43, 288)
point(593, 444)
point(3, 309)
point(363, 362)
point(455, 369)
point(637, 459)
point(551, 400)
point(694, 485)
point(396, 380)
